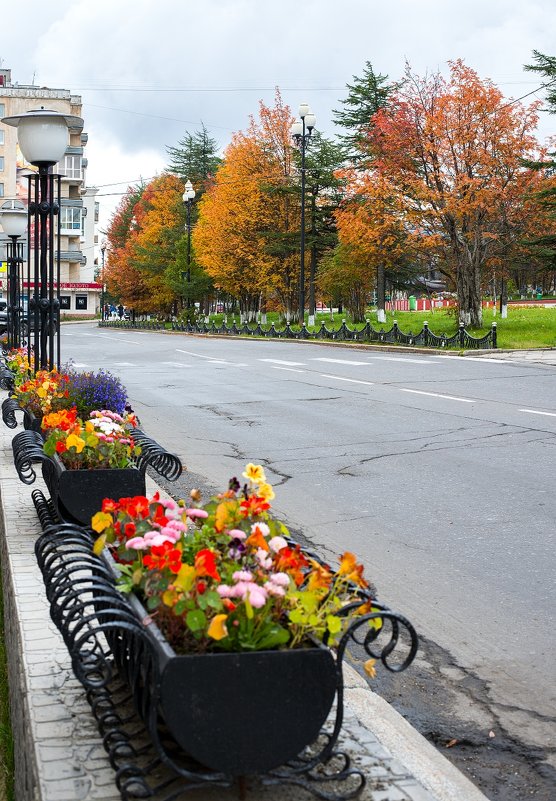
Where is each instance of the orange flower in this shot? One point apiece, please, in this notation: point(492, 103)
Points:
point(351, 569)
point(205, 564)
point(257, 540)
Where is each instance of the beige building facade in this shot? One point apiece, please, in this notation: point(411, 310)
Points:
point(79, 293)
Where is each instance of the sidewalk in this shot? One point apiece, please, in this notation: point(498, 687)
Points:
point(58, 752)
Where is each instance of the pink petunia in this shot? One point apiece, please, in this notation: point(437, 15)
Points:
point(242, 575)
point(137, 543)
point(193, 513)
point(276, 544)
point(237, 534)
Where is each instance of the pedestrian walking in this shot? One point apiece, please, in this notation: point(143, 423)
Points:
point(120, 311)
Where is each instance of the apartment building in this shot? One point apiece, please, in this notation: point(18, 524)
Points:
point(79, 293)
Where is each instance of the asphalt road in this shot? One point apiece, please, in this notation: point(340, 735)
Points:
point(437, 471)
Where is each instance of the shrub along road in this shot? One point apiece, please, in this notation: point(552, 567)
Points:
point(437, 471)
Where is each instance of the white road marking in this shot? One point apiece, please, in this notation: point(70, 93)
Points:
point(401, 359)
point(339, 361)
point(80, 365)
point(211, 359)
point(177, 364)
point(472, 359)
point(281, 361)
point(534, 411)
point(351, 380)
point(289, 369)
point(436, 395)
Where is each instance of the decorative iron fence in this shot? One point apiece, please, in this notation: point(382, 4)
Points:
point(461, 340)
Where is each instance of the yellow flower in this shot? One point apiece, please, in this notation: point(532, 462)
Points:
point(76, 442)
point(265, 491)
point(369, 668)
point(254, 473)
point(100, 521)
point(89, 427)
point(217, 629)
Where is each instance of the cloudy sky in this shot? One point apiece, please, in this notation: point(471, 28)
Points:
point(150, 70)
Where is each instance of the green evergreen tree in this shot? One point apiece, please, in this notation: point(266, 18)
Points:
point(195, 158)
point(366, 95)
point(544, 247)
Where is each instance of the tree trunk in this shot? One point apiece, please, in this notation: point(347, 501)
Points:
point(380, 294)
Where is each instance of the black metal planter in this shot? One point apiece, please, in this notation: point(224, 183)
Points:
point(78, 494)
point(211, 719)
point(243, 713)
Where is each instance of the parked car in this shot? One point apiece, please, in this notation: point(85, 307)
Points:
point(3, 316)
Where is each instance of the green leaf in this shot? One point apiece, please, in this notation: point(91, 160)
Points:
point(334, 624)
point(196, 619)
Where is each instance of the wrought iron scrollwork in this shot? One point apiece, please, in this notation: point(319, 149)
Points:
point(424, 338)
point(9, 407)
point(27, 447)
point(165, 463)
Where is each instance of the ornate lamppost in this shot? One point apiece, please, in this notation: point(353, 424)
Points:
point(13, 217)
point(301, 131)
point(187, 197)
point(43, 139)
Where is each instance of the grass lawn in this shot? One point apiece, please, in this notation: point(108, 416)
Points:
point(524, 327)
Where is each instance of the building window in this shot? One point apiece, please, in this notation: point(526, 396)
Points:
point(1, 190)
point(1, 163)
point(81, 302)
point(1, 137)
point(65, 301)
point(2, 110)
point(70, 167)
point(70, 217)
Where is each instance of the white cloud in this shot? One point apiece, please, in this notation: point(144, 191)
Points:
point(231, 53)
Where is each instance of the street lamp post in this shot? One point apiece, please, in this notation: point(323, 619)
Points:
point(301, 131)
point(103, 245)
point(13, 218)
point(43, 139)
point(188, 195)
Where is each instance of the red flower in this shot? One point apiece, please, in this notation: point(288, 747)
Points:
point(135, 507)
point(253, 505)
point(292, 561)
point(129, 529)
point(108, 505)
point(162, 556)
point(205, 564)
point(60, 446)
point(201, 587)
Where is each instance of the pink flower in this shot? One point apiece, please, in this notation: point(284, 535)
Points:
point(237, 534)
point(242, 575)
point(276, 544)
point(170, 533)
point(263, 559)
point(274, 589)
point(257, 595)
point(224, 591)
point(137, 543)
point(193, 513)
point(281, 579)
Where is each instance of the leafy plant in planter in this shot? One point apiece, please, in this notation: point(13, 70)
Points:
point(225, 577)
point(103, 442)
point(242, 619)
point(44, 393)
point(89, 391)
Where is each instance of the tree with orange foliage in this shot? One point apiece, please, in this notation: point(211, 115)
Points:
point(246, 206)
point(144, 266)
point(451, 152)
point(373, 228)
